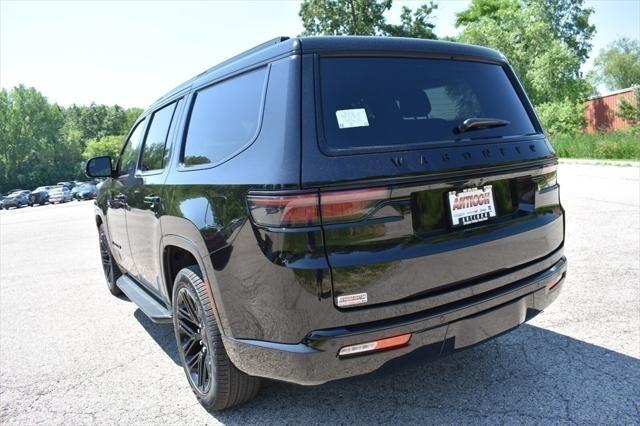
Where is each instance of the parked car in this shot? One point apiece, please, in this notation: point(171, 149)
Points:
point(85, 191)
point(40, 195)
point(59, 194)
point(316, 207)
point(68, 184)
point(16, 198)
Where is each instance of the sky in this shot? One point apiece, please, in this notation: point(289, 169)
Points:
point(131, 52)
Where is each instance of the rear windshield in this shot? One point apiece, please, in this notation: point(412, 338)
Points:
point(386, 102)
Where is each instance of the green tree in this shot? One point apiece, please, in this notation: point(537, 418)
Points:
point(569, 21)
point(546, 53)
point(414, 23)
point(42, 143)
point(562, 117)
point(30, 132)
point(107, 145)
point(618, 65)
point(339, 17)
point(364, 17)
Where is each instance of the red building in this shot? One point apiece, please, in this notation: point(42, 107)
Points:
point(601, 111)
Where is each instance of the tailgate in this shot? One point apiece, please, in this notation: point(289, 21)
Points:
point(409, 247)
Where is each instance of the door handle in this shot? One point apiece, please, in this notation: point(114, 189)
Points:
point(151, 199)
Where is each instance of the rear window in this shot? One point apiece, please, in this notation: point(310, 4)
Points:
point(388, 102)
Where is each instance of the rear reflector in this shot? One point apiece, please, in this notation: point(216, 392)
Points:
point(296, 210)
point(554, 281)
point(377, 345)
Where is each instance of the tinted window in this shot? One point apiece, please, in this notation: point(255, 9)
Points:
point(153, 152)
point(224, 118)
point(128, 157)
point(375, 102)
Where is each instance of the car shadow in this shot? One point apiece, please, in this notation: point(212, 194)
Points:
point(528, 375)
point(161, 333)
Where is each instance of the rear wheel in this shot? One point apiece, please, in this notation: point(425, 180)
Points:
point(215, 381)
point(109, 267)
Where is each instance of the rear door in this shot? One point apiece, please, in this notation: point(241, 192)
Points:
point(118, 197)
point(412, 204)
point(146, 195)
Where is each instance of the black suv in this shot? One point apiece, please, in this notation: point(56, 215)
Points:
point(315, 207)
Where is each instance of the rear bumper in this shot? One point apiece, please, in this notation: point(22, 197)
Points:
point(437, 331)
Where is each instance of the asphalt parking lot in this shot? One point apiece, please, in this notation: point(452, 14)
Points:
point(71, 353)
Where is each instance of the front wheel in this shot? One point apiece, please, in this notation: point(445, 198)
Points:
point(215, 381)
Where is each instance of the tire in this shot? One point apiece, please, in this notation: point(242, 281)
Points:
point(215, 381)
point(109, 266)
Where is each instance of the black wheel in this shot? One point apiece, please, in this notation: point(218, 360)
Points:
point(111, 270)
point(215, 381)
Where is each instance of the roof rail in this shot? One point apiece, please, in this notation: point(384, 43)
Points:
point(249, 52)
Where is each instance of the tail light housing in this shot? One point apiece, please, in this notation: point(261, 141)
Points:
point(310, 209)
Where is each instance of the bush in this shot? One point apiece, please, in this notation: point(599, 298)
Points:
point(610, 146)
point(562, 118)
point(630, 111)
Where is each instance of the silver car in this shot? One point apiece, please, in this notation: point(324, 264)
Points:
point(59, 194)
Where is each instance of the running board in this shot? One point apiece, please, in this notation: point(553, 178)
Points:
point(151, 307)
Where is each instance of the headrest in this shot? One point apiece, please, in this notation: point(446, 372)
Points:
point(414, 103)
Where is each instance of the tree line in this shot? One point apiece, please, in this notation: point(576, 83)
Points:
point(42, 143)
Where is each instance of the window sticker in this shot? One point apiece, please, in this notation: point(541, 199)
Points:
point(348, 118)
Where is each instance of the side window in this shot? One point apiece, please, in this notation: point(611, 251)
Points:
point(153, 151)
point(128, 160)
point(224, 118)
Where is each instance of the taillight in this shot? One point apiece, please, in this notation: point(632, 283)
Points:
point(351, 205)
point(297, 210)
point(546, 180)
point(284, 210)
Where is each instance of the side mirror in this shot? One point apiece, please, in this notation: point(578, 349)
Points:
point(99, 167)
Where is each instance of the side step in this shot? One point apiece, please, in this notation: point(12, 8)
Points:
point(155, 310)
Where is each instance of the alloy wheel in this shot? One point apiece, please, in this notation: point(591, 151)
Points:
point(193, 341)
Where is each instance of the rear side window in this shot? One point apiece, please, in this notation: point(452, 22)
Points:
point(224, 118)
point(388, 102)
point(153, 153)
point(129, 156)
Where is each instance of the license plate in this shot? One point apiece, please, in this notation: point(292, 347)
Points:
point(471, 205)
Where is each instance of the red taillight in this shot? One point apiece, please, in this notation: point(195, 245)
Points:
point(284, 210)
point(344, 206)
point(296, 210)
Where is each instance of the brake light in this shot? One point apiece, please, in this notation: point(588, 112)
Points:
point(345, 206)
point(296, 210)
point(284, 210)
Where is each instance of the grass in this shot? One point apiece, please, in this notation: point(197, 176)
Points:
point(605, 146)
